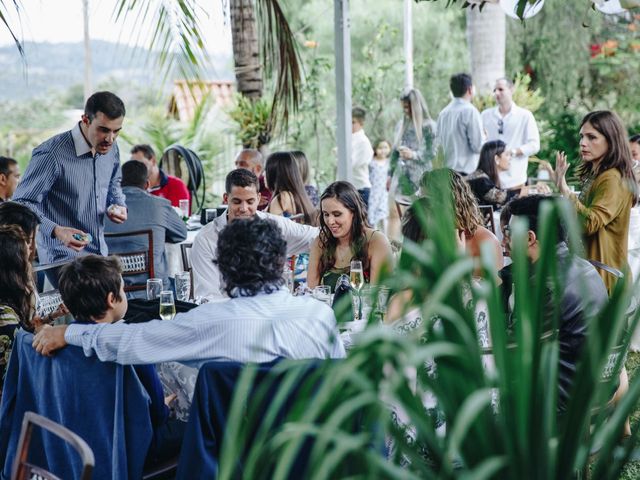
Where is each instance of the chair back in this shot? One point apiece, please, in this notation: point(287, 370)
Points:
point(185, 250)
point(211, 410)
point(23, 470)
point(487, 215)
point(136, 260)
point(48, 302)
point(102, 402)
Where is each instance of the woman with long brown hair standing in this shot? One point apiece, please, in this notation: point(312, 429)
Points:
point(608, 189)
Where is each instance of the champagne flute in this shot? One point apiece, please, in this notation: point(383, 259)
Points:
point(167, 305)
point(356, 277)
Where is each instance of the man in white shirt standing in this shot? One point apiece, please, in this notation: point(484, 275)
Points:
point(516, 127)
point(243, 196)
point(361, 154)
point(459, 129)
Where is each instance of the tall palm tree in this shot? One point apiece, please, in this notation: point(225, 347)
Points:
point(486, 39)
point(246, 48)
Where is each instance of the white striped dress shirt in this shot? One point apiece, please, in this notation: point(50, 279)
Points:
point(244, 329)
point(69, 187)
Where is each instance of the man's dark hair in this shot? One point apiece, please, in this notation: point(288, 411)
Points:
point(107, 103)
point(241, 178)
point(134, 174)
point(635, 138)
point(13, 213)
point(146, 150)
point(5, 165)
point(529, 207)
point(251, 256)
point(85, 284)
point(359, 114)
point(460, 83)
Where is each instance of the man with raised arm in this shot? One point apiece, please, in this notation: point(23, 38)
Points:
point(261, 322)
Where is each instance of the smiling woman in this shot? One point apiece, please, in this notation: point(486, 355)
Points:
point(345, 235)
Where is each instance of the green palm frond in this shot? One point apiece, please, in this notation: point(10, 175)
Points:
point(279, 51)
point(4, 19)
point(172, 29)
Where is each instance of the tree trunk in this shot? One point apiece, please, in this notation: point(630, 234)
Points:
point(246, 53)
point(486, 38)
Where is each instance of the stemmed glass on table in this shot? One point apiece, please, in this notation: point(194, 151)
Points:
point(356, 277)
point(167, 305)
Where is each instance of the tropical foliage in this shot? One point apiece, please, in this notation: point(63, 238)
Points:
point(365, 416)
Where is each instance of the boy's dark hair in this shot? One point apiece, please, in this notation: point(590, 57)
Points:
point(241, 178)
point(13, 213)
point(359, 114)
point(5, 164)
point(146, 150)
point(251, 256)
point(107, 103)
point(134, 174)
point(460, 83)
point(529, 207)
point(85, 284)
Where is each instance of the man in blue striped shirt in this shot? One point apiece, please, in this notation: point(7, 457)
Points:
point(73, 182)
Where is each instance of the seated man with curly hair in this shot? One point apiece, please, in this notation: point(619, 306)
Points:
point(259, 323)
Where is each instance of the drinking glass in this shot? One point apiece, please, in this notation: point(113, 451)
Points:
point(183, 286)
point(183, 205)
point(356, 278)
point(322, 293)
point(154, 287)
point(366, 302)
point(383, 300)
point(167, 305)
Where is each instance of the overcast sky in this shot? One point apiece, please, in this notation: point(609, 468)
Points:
point(61, 21)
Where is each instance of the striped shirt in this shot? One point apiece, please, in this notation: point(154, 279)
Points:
point(245, 329)
point(67, 186)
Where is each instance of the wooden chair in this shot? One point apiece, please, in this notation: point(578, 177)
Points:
point(487, 214)
point(23, 470)
point(135, 263)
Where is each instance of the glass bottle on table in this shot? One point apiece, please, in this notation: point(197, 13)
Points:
point(356, 277)
point(167, 305)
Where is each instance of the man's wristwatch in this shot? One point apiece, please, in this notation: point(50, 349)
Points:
point(514, 152)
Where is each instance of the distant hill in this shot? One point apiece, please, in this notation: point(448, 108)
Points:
point(59, 66)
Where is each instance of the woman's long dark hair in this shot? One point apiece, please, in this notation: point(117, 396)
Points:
point(283, 175)
point(16, 285)
point(348, 196)
point(619, 154)
point(487, 162)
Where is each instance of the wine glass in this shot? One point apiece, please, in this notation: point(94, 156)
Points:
point(167, 305)
point(356, 278)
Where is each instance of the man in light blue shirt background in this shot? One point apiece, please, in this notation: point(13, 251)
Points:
point(459, 128)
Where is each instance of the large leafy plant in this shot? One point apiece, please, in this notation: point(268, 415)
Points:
point(500, 423)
